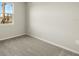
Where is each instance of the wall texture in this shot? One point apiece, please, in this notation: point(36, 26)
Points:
point(18, 28)
point(54, 22)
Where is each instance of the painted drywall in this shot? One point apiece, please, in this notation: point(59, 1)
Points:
point(18, 26)
point(54, 22)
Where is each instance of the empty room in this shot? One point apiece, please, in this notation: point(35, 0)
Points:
point(39, 28)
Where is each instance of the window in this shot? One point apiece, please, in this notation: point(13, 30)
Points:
point(6, 12)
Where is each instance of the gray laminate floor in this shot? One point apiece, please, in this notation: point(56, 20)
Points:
point(28, 46)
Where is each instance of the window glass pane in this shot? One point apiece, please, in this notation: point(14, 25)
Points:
point(6, 12)
point(0, 8)
point(8, 8)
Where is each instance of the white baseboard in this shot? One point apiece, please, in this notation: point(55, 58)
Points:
point(63, 47)
point(12, 36)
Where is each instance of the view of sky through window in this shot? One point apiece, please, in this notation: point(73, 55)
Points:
point(8, 8)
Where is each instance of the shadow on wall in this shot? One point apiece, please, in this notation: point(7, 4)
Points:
point(27, 17)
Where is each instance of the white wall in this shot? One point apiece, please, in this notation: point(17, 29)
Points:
point(54, 22)
point(18, 28)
